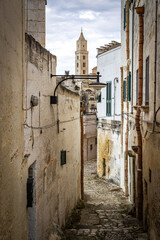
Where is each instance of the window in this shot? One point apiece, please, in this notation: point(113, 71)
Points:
point(84, 64)
point(124, 90)
point(130, 2)
point(137, 82)
point(91, 147)
point(125, 98)
point(129, 86)
point(63, 157)
point(99, 98)
point(108, 99)
point(147, 83)
point(77, 64)
point(150, 175)
point(92, 98)
point(84, 57)
point(125, 19)
point(77, 57)
point(84, 72)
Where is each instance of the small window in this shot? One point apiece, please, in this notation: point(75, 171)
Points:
point(129, 86)
point(99, 98)
point(92, 98)
point(84, 72)
point(83, 45)
point(84, 57)
point(124, 90)
point(147, 83)
point(150, 175)
point(77, 64)
point(63, 157)
point(84, 64)
point(137, 82)
point(77, 57)
point(125, 18)
point(91, 147)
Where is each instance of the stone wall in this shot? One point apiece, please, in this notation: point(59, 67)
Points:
point(48, 130)
point(35, 19)
point(13, 223)
point(150, 139)
point(108, 150)
point(90, 137)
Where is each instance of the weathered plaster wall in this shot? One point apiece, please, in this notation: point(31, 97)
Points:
point(13, 224)
point(108, 64)
point(150, 141)
point(35, 19)
point(90, 137)
point(57, 187)
point(108, 151)
point(109, 145)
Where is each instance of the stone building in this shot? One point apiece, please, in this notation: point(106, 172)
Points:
point(140, 64)
point(50, 157)
point(88, 99)
point(108, 113)
point(38, 163)
point(81, 56)
point(90, 136)
point(12, 181)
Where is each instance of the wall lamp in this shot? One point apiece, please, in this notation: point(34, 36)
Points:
point(95, 85)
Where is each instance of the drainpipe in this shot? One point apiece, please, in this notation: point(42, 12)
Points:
point(82, 154)
point(121, 111)
point(126, 134)
point(140, 12)
point(155, 67)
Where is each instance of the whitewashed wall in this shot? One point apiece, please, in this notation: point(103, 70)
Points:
point(108, 64)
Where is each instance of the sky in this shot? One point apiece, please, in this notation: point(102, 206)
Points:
point(99, 20)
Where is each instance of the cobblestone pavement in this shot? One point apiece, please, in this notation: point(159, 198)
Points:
point(105, 215)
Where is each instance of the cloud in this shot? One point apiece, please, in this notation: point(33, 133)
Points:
point(99, 19)
point(89, 15)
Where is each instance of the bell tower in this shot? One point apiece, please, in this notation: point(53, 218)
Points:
point(81, 56)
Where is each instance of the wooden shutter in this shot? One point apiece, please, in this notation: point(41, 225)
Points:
point(109, 99)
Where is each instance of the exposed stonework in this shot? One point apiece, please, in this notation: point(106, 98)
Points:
point(90, 136)
point(48, 130)
point(35, 19)
point(107, 213)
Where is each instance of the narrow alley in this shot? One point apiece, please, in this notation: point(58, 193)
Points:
point(107, 212)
